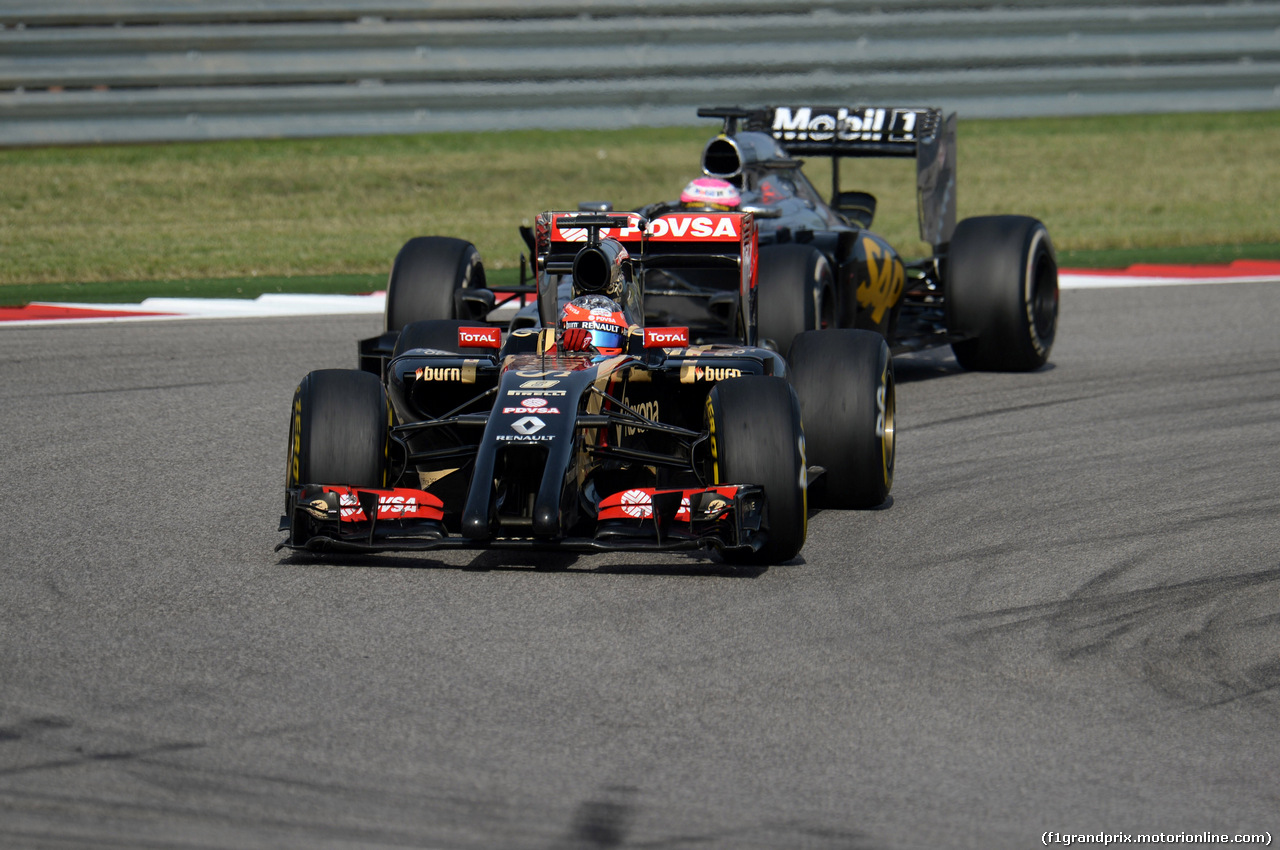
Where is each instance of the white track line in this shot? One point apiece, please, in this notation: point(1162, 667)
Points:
point(1083, 280)
point(278, 304)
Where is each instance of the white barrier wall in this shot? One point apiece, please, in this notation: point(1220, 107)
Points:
point(75, 71)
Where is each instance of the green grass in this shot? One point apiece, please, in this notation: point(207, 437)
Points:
point(241, 218)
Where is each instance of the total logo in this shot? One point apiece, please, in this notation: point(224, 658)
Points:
point(666, 337)
point(480, 337)
point(532, 405)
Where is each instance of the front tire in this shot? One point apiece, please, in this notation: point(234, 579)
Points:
point(757, 438)
point(425, 274)
point(338, 430)
point(1002, 293)
point(844, 380)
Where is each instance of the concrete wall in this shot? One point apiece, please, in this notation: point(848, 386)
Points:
point(82, 71)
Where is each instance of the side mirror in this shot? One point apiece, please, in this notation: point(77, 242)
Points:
point(857, 207)
point(761, 211)
point(473, 305)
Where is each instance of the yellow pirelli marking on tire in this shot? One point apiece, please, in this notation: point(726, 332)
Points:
point(715, 450)
point(295, 441)
point(386, 447)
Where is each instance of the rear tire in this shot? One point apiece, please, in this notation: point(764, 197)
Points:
point(757, 439)
point(844, 380)
point(424, 276)
point(338, 430)
point(1002, 293)
point(796, 293)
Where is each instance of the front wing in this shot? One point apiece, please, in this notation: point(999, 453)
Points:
point(331, 518)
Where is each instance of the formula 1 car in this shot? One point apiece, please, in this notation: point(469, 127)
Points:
point(989, 290)
point(454, 435)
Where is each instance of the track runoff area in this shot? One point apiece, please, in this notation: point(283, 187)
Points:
point(290, 304)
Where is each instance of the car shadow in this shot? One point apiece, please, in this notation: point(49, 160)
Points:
point(693, 565)
point(818, 510)
point(924, 366)
point(932, 363)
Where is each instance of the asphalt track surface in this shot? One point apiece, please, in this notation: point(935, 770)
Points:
point(1067, 620)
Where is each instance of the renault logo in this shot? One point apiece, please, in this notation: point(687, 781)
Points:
point(528, 425)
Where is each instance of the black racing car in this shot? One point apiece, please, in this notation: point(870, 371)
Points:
point(989, 289)
point(456, 435)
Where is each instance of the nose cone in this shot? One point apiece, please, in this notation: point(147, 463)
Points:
point(546, 518)
point(475, 526)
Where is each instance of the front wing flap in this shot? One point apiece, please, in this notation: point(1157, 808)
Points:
point(326, 516)
point(334, 518)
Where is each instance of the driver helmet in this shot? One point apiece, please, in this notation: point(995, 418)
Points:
point(710, 193)
point(602, 319)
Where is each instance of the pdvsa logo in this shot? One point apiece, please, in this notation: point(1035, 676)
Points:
point(637, 503)
point(532, 405)
point(694, 227)
point(668, 227)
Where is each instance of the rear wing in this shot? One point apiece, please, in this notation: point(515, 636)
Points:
point(922, 133)
point(674, 240)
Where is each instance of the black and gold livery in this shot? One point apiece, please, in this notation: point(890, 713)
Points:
point(505, 440)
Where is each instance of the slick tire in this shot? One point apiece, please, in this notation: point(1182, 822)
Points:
point(437, 335)
point(425, 275)
point(757, 439)
point(338, 430)
point(844, 381)
point(795, 293)
point(1002, 293)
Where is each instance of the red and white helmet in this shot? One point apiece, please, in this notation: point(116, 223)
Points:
point(601, 318)
point(710, 193)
